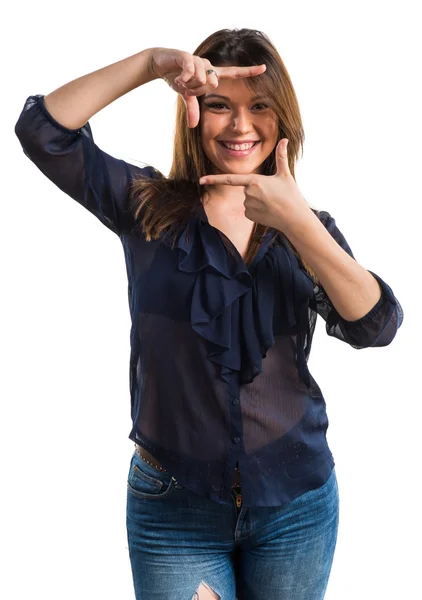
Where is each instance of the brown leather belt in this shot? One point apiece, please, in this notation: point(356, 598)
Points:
point(147, 457)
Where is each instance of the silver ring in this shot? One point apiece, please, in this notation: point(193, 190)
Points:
point(209, 71)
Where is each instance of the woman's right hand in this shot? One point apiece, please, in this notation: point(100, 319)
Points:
point(186, 74)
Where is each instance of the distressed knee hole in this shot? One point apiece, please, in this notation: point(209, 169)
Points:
point(204, 592)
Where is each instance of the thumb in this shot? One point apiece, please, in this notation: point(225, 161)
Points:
point(192, 110)
point(281, 157)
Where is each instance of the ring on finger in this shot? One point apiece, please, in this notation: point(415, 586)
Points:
point(209, 71)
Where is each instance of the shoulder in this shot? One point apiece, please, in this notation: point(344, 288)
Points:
point(141, 173)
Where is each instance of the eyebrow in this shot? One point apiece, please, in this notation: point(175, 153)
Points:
point(228, 99)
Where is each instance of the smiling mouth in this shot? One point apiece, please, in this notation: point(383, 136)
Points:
point(239, 149)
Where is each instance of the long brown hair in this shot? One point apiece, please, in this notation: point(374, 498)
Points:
point(167, 203)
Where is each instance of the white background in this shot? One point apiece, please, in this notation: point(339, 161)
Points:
point(65, 406)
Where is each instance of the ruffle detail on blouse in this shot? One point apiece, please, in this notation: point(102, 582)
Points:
point(235, 311)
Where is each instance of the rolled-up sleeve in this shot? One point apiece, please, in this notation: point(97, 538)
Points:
point(76, 165)
point(378, 327)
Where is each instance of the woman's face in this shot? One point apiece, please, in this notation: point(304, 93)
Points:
point(232, 116)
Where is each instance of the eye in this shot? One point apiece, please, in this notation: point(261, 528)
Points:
point(220, 105)
point(216, 105)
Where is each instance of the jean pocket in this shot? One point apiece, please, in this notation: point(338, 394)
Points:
point(146, 481)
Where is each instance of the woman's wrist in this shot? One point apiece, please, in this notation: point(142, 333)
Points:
point(150, 64)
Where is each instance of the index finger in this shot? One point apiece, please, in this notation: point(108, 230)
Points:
point(226, 179)
point(239, 72)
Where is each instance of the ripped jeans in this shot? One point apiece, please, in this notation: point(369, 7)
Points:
point(185, 547)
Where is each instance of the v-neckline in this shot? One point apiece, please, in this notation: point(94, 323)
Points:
point(262, 248)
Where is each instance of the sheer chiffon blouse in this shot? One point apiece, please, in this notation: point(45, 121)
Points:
point(218, 372)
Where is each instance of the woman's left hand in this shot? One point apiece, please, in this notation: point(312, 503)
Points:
point(272, 200)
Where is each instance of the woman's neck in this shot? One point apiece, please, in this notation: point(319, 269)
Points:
point(225, 196)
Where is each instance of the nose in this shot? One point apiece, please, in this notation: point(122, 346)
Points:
point(241, 121)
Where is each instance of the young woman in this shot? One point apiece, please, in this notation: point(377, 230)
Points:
point(231, 489)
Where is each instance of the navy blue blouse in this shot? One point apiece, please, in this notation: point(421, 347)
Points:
point(218, 364)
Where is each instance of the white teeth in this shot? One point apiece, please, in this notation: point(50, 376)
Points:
point(239, 146)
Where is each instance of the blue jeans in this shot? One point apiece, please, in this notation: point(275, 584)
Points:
point(177, 540)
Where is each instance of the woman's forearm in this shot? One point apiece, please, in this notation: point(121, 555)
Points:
point(74, 103)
